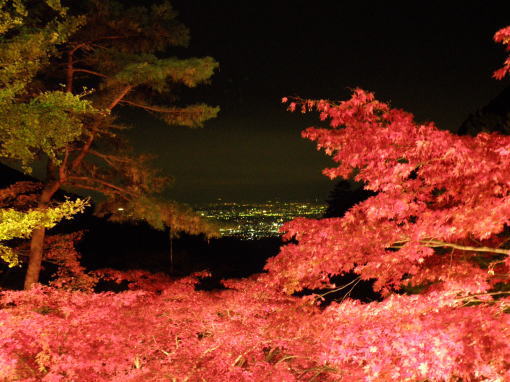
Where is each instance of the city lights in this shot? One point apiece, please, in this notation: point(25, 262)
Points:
point(250, 221)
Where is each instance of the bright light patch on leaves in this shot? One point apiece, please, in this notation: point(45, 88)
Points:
point(163, 329)
point(16, 224)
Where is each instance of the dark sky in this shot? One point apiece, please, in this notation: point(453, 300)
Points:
point(434, 59)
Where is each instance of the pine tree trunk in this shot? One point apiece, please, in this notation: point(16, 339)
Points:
point(37, 239)
point(35, 259)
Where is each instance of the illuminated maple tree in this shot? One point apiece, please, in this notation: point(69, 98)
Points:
point(442, 202)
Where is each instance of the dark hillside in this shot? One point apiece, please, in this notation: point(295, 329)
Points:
point(493, 117)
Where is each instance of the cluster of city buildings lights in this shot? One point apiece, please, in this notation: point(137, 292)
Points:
point(250, 221)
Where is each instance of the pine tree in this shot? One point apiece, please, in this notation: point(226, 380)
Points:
point(103, 55)
point(33, 122)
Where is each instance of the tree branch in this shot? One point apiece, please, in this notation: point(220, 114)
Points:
point(119, 98)
point(82, 70)
point(111, 38)
point(76, 47)
point(101, 182)
point(88, 43)
point(97, 189)
point(110, 159)
point(27, 255)
point(151, 108)
point(431, 243)
point(62, 173)
point(69, 71)
point(86, 147)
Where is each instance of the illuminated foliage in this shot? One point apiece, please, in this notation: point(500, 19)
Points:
point(163, 329)
point(43, 122)
point(436, 222)
point(16, 224)
point(503, 36)
point(64, 72)
point(442, 201)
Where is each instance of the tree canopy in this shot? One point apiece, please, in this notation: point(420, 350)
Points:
point(442, 200)
point(65, 72)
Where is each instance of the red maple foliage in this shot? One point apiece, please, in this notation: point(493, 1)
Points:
point(442, 201)
point(438, 224)
point(165, 330)
point(503, 36)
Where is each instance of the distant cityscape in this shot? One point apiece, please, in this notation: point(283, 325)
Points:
point(249, 221)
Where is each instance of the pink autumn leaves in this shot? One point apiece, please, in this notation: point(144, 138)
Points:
point(435, 190)
point(503, 36)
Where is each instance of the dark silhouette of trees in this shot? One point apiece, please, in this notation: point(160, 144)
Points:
point(343, 196)
point(493, 117)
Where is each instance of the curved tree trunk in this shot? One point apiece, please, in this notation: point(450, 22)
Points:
point(35, 259)
point(53, 185)
point(37, 239)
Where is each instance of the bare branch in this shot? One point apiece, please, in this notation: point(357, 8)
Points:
point(437, 243)
point(119, 98)
point(97, 189)
point(23, 253)
point(110, 158)
point(76, 47)
point(86, 147)
point(91, 42)
point(111, 38)
point(431, 243)
point(89, 180)
point(151, 108)
point(82, 70)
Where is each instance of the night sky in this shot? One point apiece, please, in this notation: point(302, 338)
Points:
point(435, 61)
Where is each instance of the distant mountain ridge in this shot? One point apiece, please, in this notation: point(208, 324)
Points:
point(9, 175)
point(493, 117)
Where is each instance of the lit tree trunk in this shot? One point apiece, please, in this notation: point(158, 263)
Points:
point(171, 241)
point(37, 239)
point(52, 186)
